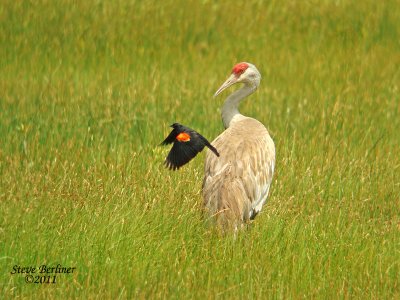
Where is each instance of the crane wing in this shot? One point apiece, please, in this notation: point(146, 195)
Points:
point(236, 185)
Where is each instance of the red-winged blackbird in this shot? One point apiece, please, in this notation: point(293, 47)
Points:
point(187, 143)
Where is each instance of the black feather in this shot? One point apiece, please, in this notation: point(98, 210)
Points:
point(170, 138)
point(183, 151)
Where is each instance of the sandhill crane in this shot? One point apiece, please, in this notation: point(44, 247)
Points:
point(239, 174)
point(236, 184)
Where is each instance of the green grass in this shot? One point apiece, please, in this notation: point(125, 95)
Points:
point(87, 91)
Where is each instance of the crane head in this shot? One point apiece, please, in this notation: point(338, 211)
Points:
point(242, 73)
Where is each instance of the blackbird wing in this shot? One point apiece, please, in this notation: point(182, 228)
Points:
point(170, 138)
point(181, 153)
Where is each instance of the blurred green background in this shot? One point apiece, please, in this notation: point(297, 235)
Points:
point(87, 92)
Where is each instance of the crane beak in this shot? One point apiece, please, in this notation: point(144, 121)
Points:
point(230, 81)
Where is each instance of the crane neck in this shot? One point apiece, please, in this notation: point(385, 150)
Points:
point(230, 109)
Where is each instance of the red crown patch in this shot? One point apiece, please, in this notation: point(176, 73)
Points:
point(239, 68)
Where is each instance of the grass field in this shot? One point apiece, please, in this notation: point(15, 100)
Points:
point(87, 92)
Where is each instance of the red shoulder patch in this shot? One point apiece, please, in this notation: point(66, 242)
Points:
point(239, 68)
point(183, 137)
